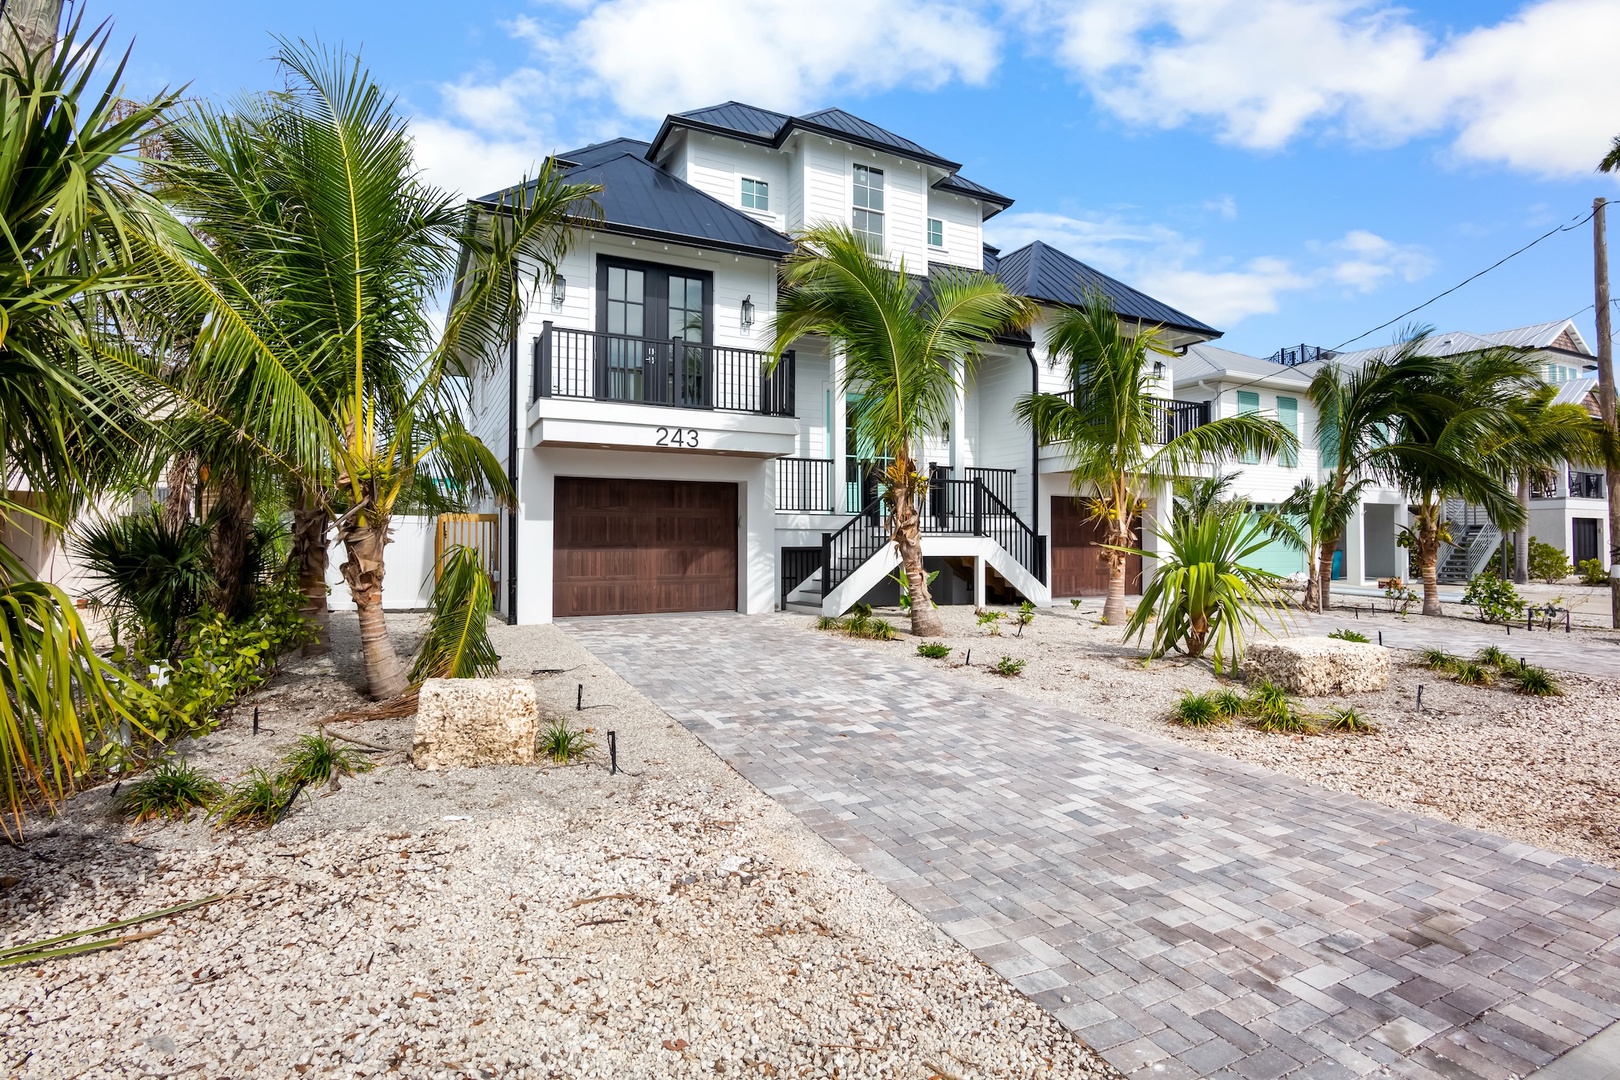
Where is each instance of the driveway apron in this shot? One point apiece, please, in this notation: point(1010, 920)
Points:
point(1186, 914)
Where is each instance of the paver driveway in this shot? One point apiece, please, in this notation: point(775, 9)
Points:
point(1188, 915)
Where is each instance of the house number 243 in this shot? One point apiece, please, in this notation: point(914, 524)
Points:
point(677, 436)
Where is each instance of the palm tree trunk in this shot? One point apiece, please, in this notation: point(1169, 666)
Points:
point(1431, 584)
point(1428, 555)
point(1114, 605)
point(1521, 536)
point(907, 535)
point(177, 503)
point(232, 533)
point(363, 571)
point(1309, 602)
point(1324, 576)
point(309, 529)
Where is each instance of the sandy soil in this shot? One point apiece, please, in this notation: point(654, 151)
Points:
point(668, 921)
point(1544, 770)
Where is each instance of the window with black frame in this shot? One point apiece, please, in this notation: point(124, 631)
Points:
point(655, 327)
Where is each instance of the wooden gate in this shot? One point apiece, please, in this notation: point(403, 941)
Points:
point(481, 532)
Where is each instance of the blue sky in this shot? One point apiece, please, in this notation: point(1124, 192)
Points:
point(1287, 170)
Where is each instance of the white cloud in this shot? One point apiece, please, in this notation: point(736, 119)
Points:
point(1538, 92)
point(1172, 267)
point(468, 162)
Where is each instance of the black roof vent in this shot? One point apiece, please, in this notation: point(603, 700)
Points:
point(1295, 355)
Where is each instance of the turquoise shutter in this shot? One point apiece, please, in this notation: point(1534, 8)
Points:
point(1248, 402)
point(1288, 417)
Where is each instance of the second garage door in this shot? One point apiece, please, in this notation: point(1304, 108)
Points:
point(624, 547)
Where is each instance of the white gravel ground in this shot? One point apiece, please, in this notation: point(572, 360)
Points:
point(1543, 770)
point(670, 921)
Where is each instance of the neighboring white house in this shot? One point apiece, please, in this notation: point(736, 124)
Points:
point(1568, 508)
point(661, 465)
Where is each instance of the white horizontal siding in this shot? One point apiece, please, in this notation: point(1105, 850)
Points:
point(994, 438)
point(717, 167)
point(963, 229)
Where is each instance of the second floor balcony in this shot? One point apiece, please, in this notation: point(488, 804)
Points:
point(666, 372)
point(1171, 417)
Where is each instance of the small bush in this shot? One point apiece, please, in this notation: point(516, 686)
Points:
point(1269, 708)
point(1025, 616)
point(829, 622)
point(1469, 673)
point(1536, 682)
point(1497, 600)
point(873, 629)
point(316, 759)
point(934, 650)
point(1548, 563)
point(563, 744)
point(1496, 658)
point(991, 619)
point(1438, 660)
point(1198, 710)
point(1593, 572)
point(1074, 601)
point(1229, 704)
point(1008, 667)
point(253, 801)
point(171, 790)
point(1349, 719)
point(1350, 635)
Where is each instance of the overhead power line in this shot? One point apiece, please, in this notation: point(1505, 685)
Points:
point(1469, 278)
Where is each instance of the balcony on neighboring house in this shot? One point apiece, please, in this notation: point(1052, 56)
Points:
point(1544, 486)
point(1585, 485)
point(666, 372)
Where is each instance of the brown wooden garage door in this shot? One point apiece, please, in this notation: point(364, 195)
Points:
point(1077, 566)
point(624, 547)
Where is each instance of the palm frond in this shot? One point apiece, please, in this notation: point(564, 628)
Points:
point(457, 644)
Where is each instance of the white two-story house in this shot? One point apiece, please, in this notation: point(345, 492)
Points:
point(662, 465)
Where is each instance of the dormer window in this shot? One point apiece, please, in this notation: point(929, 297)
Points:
point(868, 210)
point(936, 232)
point(756, 195)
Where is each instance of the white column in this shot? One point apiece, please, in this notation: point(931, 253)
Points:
point(1403, 519)
point(536, 499)
point(1355, 546)
point(757, 589)
point(978, 583)
point(835, 364)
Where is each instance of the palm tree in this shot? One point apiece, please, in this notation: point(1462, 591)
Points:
point(317, 257)
point(1113, 428)
point(71, 216)
point(1611, 160)
point(904, 358)
point(1491, 420)
point(1310, 513)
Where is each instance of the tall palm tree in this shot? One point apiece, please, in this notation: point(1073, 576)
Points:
point(1310, 513)
point(905, 356)
point(1111, 427)
point(317, 257)
point(70, 216)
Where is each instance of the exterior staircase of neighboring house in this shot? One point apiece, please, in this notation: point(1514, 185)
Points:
point(961, 518)
point(1474, 539)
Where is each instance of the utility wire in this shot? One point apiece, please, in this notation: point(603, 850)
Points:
point(1471, 277)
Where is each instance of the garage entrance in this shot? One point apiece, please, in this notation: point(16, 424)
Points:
point(1077, 547)
point(626, 547)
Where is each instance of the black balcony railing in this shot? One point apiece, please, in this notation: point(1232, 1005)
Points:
point(1170, 417)
point(657, 371)
point(1585, 485)
point(804, 485)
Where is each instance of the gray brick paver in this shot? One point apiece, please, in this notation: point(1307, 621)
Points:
point(1243, 923)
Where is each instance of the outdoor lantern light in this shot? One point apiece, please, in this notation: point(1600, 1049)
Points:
point(748, 312)
point(1158, 369)
point(559, 290)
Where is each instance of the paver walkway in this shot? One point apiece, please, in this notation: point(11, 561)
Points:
point(1186, 914)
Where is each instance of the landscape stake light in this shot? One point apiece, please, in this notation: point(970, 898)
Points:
point(255, 719)
point(579, 698)
point(1380, 637)
point(613, 753)
point(1420, 697)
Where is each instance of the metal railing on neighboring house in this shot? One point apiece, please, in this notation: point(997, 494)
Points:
point(804, 485)
point(1585, 485)
point(660, 371)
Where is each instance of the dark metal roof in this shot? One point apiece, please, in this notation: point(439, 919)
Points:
point(758, 125)
point(992, 257)
point(1042, 272)
point(640, 199)
point(596, 153)
point(995, 202)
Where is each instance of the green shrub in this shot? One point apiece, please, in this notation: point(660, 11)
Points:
point(1198, 710)
point(1024, 616)
point(1593, 572)
point(1498, 659)
point(221, 661)
point(457, 645)
point(829, 622)
point(563, 744)
point(992, 620)
point(1348, 719)
point(1536, 682)
point(1497, 600)
point(255, 800)
point(315, 759)
point(171, 790)
point(1548, 563)
point(871, 628)
point(1438, 660)
point(1350, 635)
point(1469, 673)
point(934, 650)
point(149, 573)
point(1229, 704)
point(1269, 708)
point(1008, 667)
point(1074, 602)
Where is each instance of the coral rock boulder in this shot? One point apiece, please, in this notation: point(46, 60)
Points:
point(475, 722)
point(1315, 666)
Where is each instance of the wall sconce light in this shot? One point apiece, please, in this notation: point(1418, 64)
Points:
point(559, 290)
point(748, 312)
point(1158, 369)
